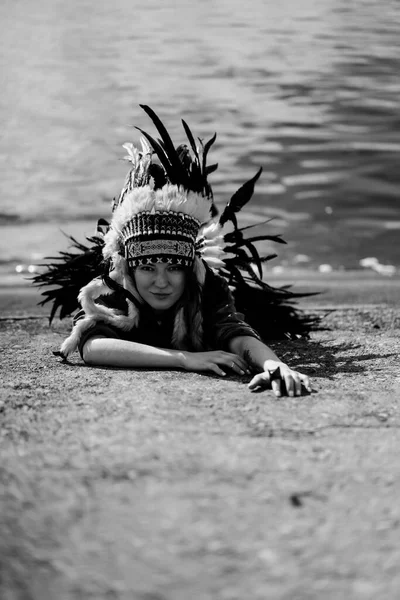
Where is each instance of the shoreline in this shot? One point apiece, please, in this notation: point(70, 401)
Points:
point(338, 289)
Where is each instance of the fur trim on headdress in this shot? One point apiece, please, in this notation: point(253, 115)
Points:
point(95, 313)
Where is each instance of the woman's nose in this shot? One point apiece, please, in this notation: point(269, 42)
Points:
point(161, 280)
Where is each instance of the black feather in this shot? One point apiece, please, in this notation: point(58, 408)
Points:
point(165, 137)
point(239, 199)
point(205, 152)
point(161, 155)
point(211, 168)
point(69, 274)
point(180, 175)
point(158, 175)
point(184, 156)
point(102, 226)
point(268, 257)
point(271, 238)
point(190, 137)
point(237, 234)
point(255, 256)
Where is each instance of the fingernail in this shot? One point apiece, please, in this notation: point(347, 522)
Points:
point(242, 372)
point(291, 393)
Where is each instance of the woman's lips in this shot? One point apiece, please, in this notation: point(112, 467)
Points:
point(161, 296)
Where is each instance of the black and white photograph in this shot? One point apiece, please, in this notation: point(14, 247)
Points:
point(199, 300)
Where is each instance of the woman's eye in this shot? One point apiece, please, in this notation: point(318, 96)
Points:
point(146, 268)
point(175, 269)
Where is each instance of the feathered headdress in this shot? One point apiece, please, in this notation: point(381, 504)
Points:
point(166, 213)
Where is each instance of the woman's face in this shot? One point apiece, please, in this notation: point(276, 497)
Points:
point(160, 284)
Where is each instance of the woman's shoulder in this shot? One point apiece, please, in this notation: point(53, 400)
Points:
point(214, 279)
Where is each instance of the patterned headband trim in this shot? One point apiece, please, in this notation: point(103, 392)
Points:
point(169, 260)
point(160, 250)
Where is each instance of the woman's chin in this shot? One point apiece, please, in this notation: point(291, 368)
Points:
point(161, 302)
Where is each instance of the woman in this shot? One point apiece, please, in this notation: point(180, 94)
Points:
point(162, 302)
point(162, 287)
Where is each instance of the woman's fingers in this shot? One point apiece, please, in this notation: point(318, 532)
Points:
point(263, 380)
point(219, 362)
point(306, 383)
point(238, 368)
point(259, 380)
point(217, 369)
point(233, 365)
point(291, 380)
point(285, 381)
point(292, 383)
point(276, 387)
point(297, 384)
point(234, 362)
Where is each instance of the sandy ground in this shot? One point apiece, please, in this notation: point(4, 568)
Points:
point(175, 486)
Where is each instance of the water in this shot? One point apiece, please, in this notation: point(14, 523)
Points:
point(309, 89)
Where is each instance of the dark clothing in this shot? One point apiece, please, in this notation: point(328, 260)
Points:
point(221, 322)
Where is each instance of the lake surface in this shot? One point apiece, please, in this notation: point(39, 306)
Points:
point(308, 89)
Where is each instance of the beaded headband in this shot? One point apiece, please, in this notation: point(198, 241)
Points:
point(160, 237)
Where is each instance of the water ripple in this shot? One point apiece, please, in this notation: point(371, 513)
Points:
point(306, 88)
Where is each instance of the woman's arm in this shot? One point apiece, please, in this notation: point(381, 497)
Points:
point(112, 352)
point(272, 371)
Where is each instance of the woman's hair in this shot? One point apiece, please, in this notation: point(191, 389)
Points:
point(191, 305)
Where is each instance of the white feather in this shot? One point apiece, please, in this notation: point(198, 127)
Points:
point(213, 262)
point(170, 198)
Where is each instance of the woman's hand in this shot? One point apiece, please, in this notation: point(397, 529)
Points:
point(217, 361)
point(283, 380)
